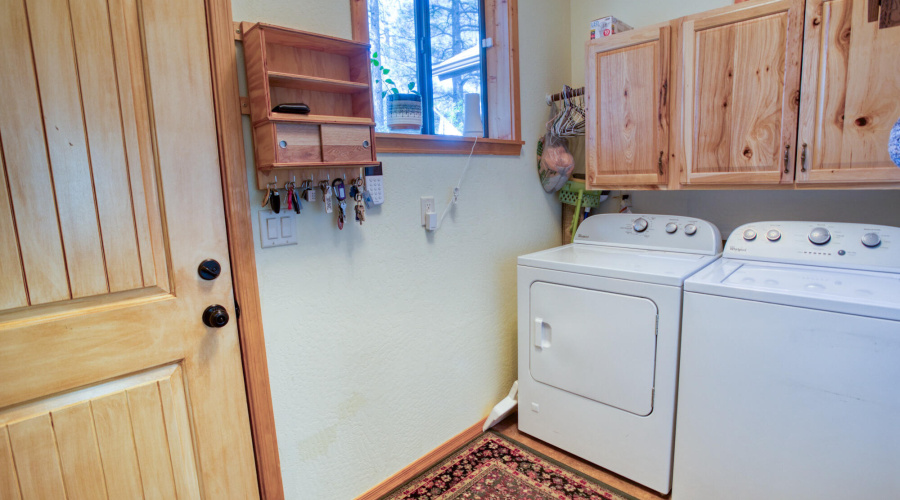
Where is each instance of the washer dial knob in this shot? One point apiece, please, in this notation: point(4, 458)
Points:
point(690, 229)
point(819, 236)
point(640, 225)
point(871, 240)
point(749, 234)
point(773, 235)
point(671, 227)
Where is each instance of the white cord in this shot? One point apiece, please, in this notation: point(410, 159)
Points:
point(454, 197)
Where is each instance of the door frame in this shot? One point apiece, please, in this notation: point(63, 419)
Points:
point(226, 101)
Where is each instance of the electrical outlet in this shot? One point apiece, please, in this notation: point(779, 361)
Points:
point(427, 208)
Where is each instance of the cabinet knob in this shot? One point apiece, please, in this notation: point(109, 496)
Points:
point(787, 158)
point(803, 158)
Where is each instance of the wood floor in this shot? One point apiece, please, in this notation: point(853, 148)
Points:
point(509, 428)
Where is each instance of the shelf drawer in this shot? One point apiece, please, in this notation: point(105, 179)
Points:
point(297, 143)
point(346, 143)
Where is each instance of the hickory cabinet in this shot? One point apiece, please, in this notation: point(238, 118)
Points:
point(850, 96)
point(627, 126)
point(767, 93)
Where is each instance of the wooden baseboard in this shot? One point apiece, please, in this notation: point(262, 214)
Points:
point(421, 465)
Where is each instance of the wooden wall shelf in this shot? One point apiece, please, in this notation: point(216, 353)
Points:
point(328, 74)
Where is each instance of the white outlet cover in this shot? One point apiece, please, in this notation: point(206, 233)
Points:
point(276, 230)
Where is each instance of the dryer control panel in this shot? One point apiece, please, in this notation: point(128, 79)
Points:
point(657, 232)
point(827, 244)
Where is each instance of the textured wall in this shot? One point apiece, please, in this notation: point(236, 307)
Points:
point(726, 209)
point(384, 341)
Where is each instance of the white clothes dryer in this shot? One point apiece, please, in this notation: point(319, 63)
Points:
point(790, 365)
point(599, 323)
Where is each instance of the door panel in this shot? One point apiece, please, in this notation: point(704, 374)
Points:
point(628, 109)
point(120, 439)
point(112, 385)
point(595, 344)
point(741, 78)
point(72, 151)
point(850, 95)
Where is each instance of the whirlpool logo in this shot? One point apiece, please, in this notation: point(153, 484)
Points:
point(737, 249)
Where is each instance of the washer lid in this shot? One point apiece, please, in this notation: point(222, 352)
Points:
point(649, 266)
point(864, 293)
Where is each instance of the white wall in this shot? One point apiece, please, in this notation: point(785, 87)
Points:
point(727, 209)
point(384, 340)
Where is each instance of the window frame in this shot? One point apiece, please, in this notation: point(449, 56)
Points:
point(502, 76)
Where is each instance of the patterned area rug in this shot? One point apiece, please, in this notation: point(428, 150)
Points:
point(493, 467)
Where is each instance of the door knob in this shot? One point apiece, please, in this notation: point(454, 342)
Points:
point(215, 316)
point(209, 269)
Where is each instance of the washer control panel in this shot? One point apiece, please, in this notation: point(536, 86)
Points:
point(828, 244)
point(657, 232)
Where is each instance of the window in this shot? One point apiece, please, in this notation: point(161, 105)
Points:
point(449, 70)
point(433, 46)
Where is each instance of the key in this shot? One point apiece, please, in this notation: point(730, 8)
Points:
point(360, 209)
point(338, 187)
point(275, 201)
point(326, 196)
point(267, 197)
point(289, 195)
point(296, 200)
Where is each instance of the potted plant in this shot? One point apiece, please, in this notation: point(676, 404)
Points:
point(404, 109)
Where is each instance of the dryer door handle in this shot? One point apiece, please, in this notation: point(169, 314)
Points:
point(541, 333)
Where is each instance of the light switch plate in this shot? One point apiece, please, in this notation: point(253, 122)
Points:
point(276, 230)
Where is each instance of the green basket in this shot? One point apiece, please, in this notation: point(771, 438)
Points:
point(573, 190)
point(573, 193)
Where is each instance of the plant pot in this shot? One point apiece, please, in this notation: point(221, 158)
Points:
point(404, 111)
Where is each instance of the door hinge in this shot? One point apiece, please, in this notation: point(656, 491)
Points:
point(487, 43)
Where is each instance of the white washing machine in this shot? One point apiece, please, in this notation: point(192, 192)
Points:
point(789, 384)
point(599, 322)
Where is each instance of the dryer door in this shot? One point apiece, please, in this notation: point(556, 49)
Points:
point(598, 345)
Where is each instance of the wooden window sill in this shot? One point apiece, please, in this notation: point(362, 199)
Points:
point(445, 144)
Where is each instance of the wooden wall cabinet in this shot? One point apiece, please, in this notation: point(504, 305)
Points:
point(767, 93)
point(739, 78)
point(628, 109)
point(850, 95)
point(332, 77)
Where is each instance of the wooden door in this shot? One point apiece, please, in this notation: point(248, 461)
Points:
point(740, 80)
point(850, 96)
point(110, 197)
point(628, 109)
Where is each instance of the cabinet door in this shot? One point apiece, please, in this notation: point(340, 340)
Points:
point(850, 94)
point(628, 108)
point(741, 80)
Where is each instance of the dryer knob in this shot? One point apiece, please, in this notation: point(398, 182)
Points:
point(819, 236)
point(690, 229)
point(671, 227)
point(640, 225)
point(871, 240)
point(773, 235)
point(749, 234)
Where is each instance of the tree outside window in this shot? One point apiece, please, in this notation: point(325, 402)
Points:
point(446, 65)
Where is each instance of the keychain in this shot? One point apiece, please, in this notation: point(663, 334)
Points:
point(293, 202)
point(338, 188)
point(275, 200)
point(326, 196)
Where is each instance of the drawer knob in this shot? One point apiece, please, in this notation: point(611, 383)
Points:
point(282, 144)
